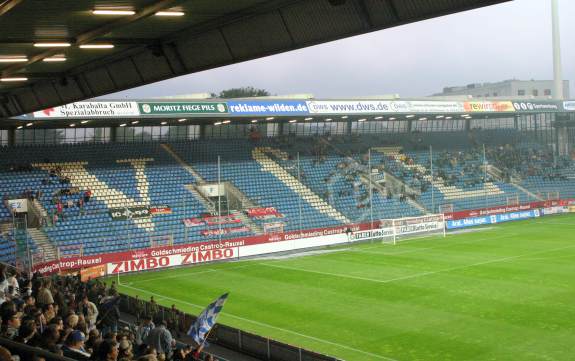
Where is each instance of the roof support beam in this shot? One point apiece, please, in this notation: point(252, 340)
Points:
point(8, 5)
point(94, 34)
point(393, 8)
point(364, 13)
point(115, 41)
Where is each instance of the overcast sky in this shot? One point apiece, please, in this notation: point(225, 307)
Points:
point(511, 40)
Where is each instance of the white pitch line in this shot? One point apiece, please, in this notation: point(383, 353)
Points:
point(269, 326)
point(190, 273)
point(557, 223)
point(439, 246)
point(417, 275)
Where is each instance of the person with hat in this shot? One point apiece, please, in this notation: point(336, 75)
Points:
point(74, 347)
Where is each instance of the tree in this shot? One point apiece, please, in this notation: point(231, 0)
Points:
point(244, 92)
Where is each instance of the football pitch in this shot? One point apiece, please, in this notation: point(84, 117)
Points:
point(506, 292)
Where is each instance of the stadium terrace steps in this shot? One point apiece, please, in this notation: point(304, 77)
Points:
point(113, 198)
point(526, 191)
point(43, 243)
point(269, 165)
point(5, 227)
point(449, 192)
point(209, 205)
point(183, 163)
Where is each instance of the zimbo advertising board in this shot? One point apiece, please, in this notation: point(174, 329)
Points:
point(169, 108)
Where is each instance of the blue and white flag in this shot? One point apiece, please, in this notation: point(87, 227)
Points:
point(206, 320)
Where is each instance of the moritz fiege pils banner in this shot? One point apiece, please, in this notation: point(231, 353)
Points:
point(183, 108)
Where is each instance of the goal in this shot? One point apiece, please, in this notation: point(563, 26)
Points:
point(396, 230)
point(413, 227)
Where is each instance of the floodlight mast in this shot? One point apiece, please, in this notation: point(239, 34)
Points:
point(557, 71)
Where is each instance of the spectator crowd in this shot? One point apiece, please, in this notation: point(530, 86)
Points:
point(81, 320)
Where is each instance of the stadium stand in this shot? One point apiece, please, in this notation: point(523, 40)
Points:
point(78, 188)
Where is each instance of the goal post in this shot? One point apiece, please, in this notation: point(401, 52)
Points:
point(422, 226)
point(396, 230)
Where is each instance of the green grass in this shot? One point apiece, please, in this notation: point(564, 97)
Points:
point(503, 293)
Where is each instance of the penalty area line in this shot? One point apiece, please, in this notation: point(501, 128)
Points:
point(422, 274)
point(349, 348)
point(179, 275)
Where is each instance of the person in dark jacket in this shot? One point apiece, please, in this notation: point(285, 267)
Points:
point(110, 315)
point(161, 339)
point(74, 347)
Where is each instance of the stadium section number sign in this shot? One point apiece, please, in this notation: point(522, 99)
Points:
point(91, 110)
point(182, 108)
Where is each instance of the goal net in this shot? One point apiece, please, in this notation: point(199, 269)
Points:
point(396, 230)
point(413, 227)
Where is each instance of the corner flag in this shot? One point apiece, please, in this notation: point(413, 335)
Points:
point(206, 320)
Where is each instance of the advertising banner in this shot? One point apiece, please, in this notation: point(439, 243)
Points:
point(232, 230)
point(193, 222)
point(121, 214)
point(160, 210)
point(89, 273)
point(554, 210)
point(274, 227)
point(264, 213)
point(188, 258)
point(569, 105)
point(211, 221)
point(265, 108)
point(18, 205)
point(489, 106)
point(173, 108)
point(536, 106)
point(503, 209)
point(350, 107)
point(264, 242)
point(426, 107)
point(91, 110)
point(496, 218)
point(384, 106)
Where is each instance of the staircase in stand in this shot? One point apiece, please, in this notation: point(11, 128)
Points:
point(43, 242)
point(208, 204)
point(5, 227)
point(269, 165)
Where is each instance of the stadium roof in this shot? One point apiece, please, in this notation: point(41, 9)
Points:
point(200, 35)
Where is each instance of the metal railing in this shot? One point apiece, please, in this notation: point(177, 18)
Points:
point(259, 347)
